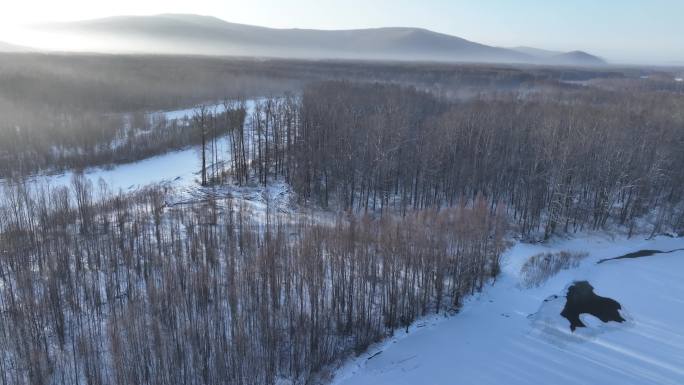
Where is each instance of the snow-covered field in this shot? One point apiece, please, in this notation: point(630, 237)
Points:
point(178, 168)
point(188, 113)
point(509, 335)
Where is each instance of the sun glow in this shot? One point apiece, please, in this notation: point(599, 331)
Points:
point(624, 30)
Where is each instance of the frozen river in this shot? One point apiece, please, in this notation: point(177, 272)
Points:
point(178, 168)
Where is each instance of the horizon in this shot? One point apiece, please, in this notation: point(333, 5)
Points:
point(630, 32)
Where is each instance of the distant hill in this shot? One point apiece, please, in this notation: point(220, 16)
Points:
point(536, 52)
point(577, 58)
point(574, 58)
point(204, 35)
point(7, 47)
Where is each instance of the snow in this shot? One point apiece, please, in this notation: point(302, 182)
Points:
point(275, 199)
point(188, 113)
point(509, 335)
point(679, 80)
point(179, 169)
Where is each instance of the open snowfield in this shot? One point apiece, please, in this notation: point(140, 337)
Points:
point(188, 113)
point(510, 335)
point(177, 168)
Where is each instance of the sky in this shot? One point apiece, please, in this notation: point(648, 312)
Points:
point(620, 30)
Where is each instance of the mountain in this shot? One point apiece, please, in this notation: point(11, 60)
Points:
point(191, 34)
point(536, 52)
point(7, 47)
point(574, 58)
point(577, 58)
point(205, 35)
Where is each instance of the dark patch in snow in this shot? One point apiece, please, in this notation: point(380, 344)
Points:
point(639, 254)
point(581, 299)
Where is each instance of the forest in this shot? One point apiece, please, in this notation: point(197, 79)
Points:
point(77, 111)
point(555, 163)
point(99, 288)
point(409, 181)
point(558, 162)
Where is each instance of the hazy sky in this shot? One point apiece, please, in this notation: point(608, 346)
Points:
point(621, 30)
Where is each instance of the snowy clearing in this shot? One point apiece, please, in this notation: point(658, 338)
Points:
point(275, 200)
point(511, 335)
point(177, 168)
point(188, 113)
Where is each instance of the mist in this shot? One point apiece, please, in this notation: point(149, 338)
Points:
point(202, 35)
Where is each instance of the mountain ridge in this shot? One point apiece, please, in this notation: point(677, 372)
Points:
point(9, 47)
point(208, 35)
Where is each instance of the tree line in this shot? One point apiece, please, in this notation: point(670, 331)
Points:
point(577, 160)
point(61, 112)
point(571, 161)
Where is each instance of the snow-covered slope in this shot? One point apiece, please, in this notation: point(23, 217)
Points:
point(510, 335)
